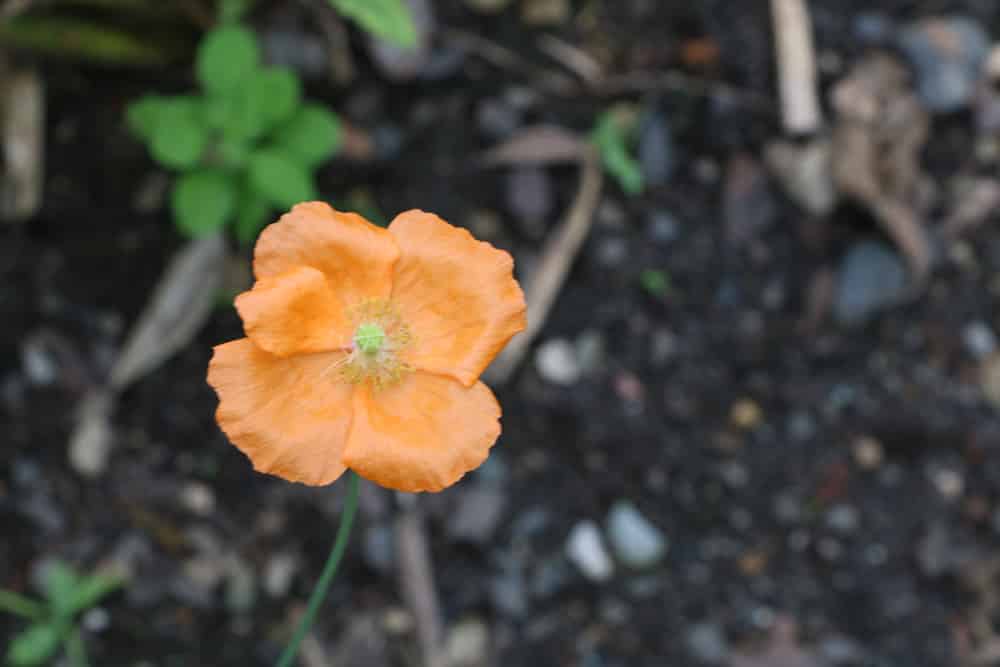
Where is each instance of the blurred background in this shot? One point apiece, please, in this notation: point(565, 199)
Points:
point(754, 423)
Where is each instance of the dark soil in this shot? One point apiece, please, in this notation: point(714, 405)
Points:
point(727, 423)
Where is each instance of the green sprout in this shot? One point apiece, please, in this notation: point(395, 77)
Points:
point(53, 620)
point(655, 282)
point(245, 145)
point(613, 134)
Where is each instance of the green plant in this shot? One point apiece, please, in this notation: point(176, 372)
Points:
point(655, 282)
point(53, 621)
point(244, 146)
point(387, 19)
point(612, 134)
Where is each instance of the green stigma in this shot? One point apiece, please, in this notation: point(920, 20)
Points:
point(369, 338)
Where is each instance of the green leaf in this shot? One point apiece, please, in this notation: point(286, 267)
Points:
point(180, 135)
point(34, 646)
point(60, 584)
point(278, 93)
point(311, 136)
point(387, 19)
point(280, 179)
point(203, 201)
point(90, 590)
point(227, 57)
point(269, 97)
point(612, 138)
point(251, 215)
point(142, 115)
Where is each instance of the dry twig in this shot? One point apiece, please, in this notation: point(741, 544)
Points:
point(796, 58)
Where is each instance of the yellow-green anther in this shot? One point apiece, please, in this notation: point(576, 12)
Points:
point(369, 338)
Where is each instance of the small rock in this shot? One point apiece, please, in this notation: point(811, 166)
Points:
point(467, 644)
point(868, 453)
point(746, 414)
point(662, 227)
point(706, 642)
point(655, 149)
point(543, 13)
point(37, 362)
point(585, 549)
point(279, 573)
point(843, 518)
point(872, 277)
point(949, 483)
point(96, 620)
point(611, 252)
point(979, 339)
point(556, 362)
point(637, 542)
point(948, 55)
point(801, 426)
point(478, 515)
point(197, 498)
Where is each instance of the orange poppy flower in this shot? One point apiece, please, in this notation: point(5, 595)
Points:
point(364, 348)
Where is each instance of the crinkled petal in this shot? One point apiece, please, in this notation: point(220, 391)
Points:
point(295, 313)
point(458, 296)
point(422, 434)
point(355, 256)
point(290, 415)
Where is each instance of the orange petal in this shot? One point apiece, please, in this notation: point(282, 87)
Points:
point(356, 256)
point(289, 415)
point(422, 434)
point(458, 296)
point(295, 313)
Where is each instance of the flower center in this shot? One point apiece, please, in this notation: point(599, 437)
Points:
point(369, 338)
point(375, 350)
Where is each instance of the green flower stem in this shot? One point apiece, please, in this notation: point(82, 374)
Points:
point(329, 570)
point(12, 603)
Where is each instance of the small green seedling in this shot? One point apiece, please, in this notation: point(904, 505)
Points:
point(246, 145)
point(655, 282)
point(53, 621)
point(613, 134)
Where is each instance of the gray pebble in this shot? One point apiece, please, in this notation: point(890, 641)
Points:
point(585, 549)
point(947, 54)
point(706, 642)
point(872, 277)
point(556, 361)
point(636, 541)
point(979, 339)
